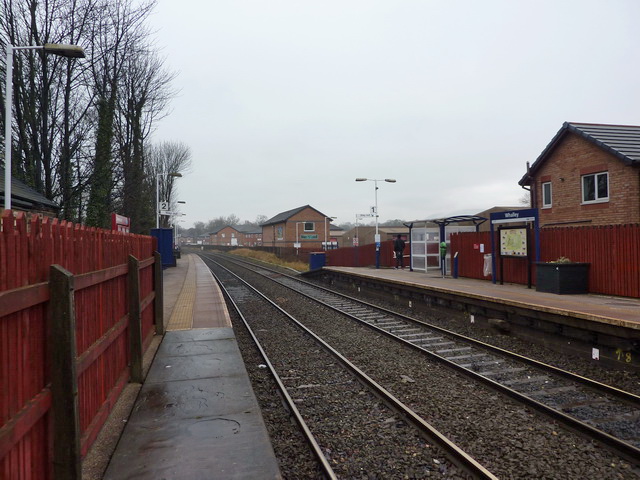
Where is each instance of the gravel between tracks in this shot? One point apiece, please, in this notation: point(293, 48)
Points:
point(359, 435)
point(508, 439)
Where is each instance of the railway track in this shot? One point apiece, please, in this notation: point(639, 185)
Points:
point(352, 424)
point(604, 413)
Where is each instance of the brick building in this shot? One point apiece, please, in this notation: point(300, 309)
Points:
point(589, 174)
point(251, 235)
point(304, 226)
point(236, 236)
point(365, 235)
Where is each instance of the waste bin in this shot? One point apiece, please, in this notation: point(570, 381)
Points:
point(488, 266)
point(165, 245)
point(317, 260)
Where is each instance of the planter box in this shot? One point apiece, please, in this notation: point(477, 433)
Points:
point(562, 278)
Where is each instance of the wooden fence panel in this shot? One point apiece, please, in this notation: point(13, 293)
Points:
point(613, 252)
point(362, 256)
point(97, 259)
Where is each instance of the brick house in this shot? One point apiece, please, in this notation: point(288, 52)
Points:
point(227, 236)
point(589, 174)
point(251, 235)
point(304, 225)
point(236, 236)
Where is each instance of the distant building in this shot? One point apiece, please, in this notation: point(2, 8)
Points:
point(365, 235)
point(304, 226)
point(236, 236)
point(589, 174)
point(486, 226)
point(251, 235)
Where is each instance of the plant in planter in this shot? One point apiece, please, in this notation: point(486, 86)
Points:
point(562, 260)
point(562, 276)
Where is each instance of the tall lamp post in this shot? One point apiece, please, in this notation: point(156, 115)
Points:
point(325, 231)
point(171, 174)
point(375, 213)
point(175, 223)
point(70, 51)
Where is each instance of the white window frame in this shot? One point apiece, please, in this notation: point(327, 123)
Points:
point(312, 229)
point(595, 176)
point(547, 202)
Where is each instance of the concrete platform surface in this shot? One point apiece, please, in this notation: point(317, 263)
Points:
point(196, 416)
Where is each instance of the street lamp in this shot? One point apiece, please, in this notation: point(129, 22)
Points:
point(174, 216)
point(171, 174)
point(70, 51)
point(325, 230)
point(375, 212)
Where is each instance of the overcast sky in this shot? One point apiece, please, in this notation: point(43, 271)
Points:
point(285, 103)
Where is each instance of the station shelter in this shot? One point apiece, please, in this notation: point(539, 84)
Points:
point(426, 238)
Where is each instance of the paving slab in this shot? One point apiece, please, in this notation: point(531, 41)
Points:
point(196, 416)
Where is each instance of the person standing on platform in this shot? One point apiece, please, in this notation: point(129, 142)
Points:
point(398, 248)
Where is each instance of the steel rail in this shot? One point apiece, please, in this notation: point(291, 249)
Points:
point(618, 446)
point(457, 456)
point(311, 440)
point(594, 384)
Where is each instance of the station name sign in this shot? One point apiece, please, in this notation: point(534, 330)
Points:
point(526, 215)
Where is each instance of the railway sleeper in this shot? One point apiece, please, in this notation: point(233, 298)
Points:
point(478, 365)
point(441, 344)
point(503, 372)
point(421, 334)
point(431, 339)
point(402, 331)
point(552, 391)
point(459, 358)
point(524, 381)
point(459, 349)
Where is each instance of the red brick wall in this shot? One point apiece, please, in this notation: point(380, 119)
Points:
point(571, 159)
point(269, 235)
point(224, 236)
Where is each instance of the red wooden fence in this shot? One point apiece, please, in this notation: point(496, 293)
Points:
point(364, 256)
point(98, 260)
point(613, 252)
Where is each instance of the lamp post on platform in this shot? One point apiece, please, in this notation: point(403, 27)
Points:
point(375, 211)
point(171, 174)
point(70, 51)
point(325, 230)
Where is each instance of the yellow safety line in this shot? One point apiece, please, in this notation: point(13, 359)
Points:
point(182, 315)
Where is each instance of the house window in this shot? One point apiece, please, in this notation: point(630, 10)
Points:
point(308, 227)
point(546, 195)
point(595, 187)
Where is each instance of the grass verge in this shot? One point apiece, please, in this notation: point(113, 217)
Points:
point(270, 258)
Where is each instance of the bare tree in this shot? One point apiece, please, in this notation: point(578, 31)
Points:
point(525, 199)
point(165, 159)
point(80, 127)
point(114, 39)
point(144, 94)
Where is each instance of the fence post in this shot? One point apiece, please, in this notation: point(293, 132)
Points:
point(64, 380)
point(158, 306)
point(135, 320)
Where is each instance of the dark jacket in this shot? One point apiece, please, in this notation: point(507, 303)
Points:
point(398, 245)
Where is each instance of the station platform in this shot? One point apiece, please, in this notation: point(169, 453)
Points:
point(196, 416)
point(615, 311)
